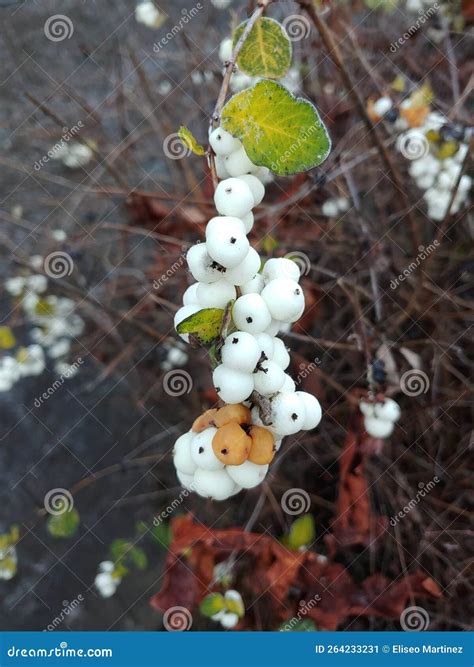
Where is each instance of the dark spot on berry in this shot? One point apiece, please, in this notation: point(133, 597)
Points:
point(249, 320)
point(297, 290)
point(235, 340)
point(201, 449)
point(233, 240)
point(224, 451)
point(228, 190)
point(218, 389)
point(294, 416)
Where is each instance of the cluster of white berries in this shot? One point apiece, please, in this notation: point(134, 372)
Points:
point(107, 580)
point(253, 358)
point(437, 178)
point(54, 324)
point(434, 173)
point(380, 417)
point(333, 208)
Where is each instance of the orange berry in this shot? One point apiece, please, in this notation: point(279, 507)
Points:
point(204, 421)
point(236, 412)
point(262, 450)
point(231, 444)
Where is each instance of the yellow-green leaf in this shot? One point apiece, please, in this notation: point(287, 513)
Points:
point(205, 325)
point(212, 604)
point(278, 130)
point(266, 51)
point(421, 97)
point(302, 532)
point(65, 524)
point(190, 141)
point(7, 338)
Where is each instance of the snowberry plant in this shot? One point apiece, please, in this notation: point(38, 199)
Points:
point(236, 307)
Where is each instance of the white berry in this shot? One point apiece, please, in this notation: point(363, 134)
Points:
point(312, 407)
point(201, 264)
point(248, 474)
point(250, 313)
point(269, 378)
point(287, 414)
point(221, 170)
point(388, 409)
point(378, 428)
point(288, 386)
point(239, 163)
point(227, 249)
point(246, 270)
point(215, 295)
point(222, 142)
point(231, 385)
point(266, 344)
point(256, 187)
point(190, 296)
point(253, 286)
point(186, 480)
point(182, 459)
point(241, 352)
point(229, 620)
point(233, 197)
point(215, 484)
point(284, 298)
point(280, 353)
point(280, 267)
point(202, 452)
point(248, 221)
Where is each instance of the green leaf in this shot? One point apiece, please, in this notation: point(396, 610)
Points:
point(266, 51)
point(7, 338)
point(126, 554)
point(190, 141)
point(212, 604)
point(65, 524)
point(269, 244)
point(293, 625)
point(302, 532)
point(278, 130)
point(205, 325)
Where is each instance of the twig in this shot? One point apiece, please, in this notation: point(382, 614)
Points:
point(229, 70)
point(335, 54)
